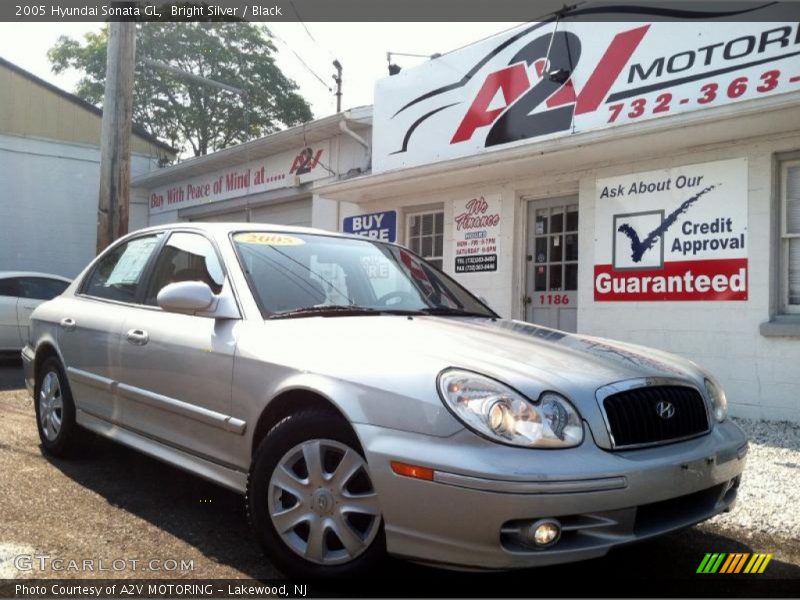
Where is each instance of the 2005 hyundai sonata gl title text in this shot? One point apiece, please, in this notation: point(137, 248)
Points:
point(366, 403)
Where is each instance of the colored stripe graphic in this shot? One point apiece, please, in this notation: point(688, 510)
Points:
point(711, 563)
point(750, 564)
point(734, 563)
point(701, 568)
point(718, 563)
point(741, 562)
point(765, 563)
point(727, 564)
point(758, 563)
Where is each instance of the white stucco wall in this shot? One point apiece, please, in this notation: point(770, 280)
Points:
point(48, 204)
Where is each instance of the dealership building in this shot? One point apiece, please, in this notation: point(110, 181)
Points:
point(631, 180)
point(643, 185)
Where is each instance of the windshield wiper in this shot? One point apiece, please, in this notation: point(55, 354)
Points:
point(342, 310)
point(322, 311)
point(446, 311)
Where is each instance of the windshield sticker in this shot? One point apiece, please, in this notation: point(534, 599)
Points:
point(268, 239)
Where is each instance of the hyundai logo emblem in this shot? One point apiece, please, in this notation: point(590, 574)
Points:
point(665, 410)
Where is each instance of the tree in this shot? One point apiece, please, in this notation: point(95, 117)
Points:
point(184, 112)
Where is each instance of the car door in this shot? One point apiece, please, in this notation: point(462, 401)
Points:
point(91, 323)
point(9, 328)
point(176, 370)
point(32, 292)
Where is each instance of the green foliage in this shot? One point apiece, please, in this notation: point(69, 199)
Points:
point(183, 112)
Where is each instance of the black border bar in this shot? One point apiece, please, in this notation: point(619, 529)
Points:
point(445, 11)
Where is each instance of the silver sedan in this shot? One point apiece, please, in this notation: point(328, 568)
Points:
point(365, 403)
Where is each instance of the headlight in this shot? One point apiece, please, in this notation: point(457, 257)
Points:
point(719, 403)
point(497, 412)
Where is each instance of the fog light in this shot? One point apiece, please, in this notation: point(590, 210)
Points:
point(545, 532)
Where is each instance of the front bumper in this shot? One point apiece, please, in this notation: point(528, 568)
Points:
point(484, 494)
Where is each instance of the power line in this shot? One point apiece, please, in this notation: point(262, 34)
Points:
point(299, 18)
point(308, 31)
point(336, 64)
point(302, 62)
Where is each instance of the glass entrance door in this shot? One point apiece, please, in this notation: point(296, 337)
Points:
point(552, 260)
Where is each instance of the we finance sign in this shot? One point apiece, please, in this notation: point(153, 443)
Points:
point(550, 79)
point(673, 234)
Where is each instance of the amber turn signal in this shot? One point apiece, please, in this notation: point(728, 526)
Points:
point(412, 471)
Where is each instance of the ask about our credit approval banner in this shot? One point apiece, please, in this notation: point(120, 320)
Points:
point(673, 234)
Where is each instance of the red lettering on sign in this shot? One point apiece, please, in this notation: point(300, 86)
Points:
point(608, 69)
point(475, 217)
point(305, 161)
point(513, 81)
point(711, 279)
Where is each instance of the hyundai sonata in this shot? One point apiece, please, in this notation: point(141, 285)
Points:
point(365, 403)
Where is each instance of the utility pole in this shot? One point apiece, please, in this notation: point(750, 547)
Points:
point(338, 79)
point(115, 140)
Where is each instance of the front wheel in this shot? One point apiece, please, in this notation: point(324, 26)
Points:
point(311, 499)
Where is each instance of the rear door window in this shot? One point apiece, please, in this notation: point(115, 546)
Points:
point(41, 288)
point(8, 287)
point(118, 275)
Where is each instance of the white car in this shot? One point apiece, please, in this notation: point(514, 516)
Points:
point(20, 293)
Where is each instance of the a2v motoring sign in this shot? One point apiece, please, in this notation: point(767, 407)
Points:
point(563, 77)
point(673, 234)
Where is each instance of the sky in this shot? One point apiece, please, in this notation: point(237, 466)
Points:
point(360, 47)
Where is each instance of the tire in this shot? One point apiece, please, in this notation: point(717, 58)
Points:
point(330, 522)
point(55, 410)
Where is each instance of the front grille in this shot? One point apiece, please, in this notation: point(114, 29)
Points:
point(633, 415)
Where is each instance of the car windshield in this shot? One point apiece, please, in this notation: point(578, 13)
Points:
point(307, 274)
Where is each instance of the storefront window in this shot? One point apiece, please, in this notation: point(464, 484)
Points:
point(425, 235)
point(791, 236)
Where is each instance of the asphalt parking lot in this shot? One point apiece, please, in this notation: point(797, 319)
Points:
point(110, 503)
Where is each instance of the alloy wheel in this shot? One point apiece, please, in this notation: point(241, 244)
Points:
point(322, 503)
point(51, 405)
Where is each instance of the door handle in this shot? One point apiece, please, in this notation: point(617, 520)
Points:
point(138, 337)
point(68, 324)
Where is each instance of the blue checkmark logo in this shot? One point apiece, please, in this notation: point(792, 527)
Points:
point(640, 246)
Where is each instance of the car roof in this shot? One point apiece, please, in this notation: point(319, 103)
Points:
point(237, 226)
point(10, 274)
point(226, 228)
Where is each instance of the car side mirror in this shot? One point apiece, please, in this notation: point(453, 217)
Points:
point(196, 298)
point(186, 297)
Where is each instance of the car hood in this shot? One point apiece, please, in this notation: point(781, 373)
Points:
point(396, 353)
